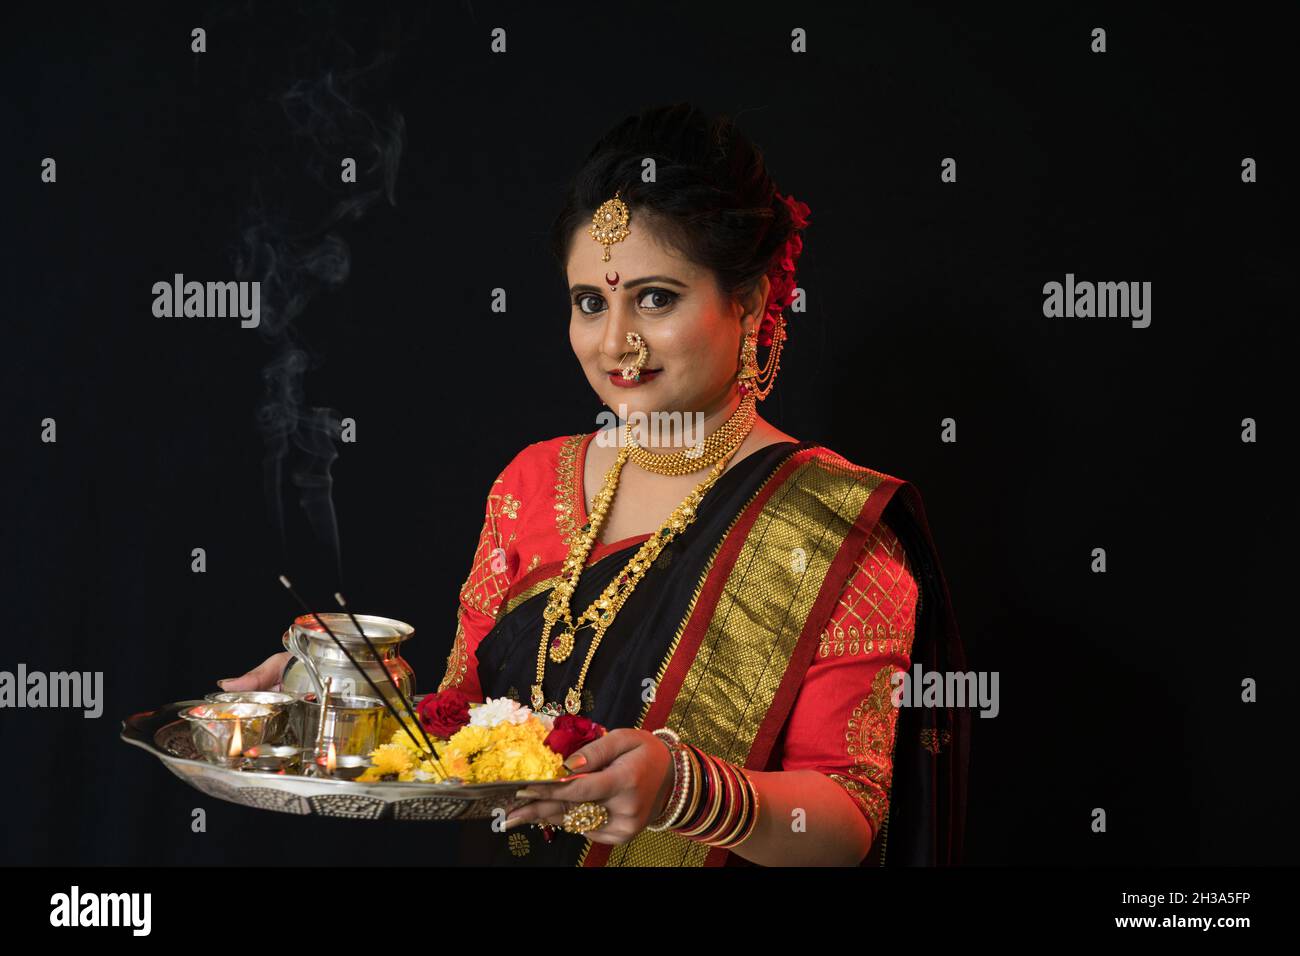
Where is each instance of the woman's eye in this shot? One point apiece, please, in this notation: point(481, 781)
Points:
point(587, 297)
point(668, 298)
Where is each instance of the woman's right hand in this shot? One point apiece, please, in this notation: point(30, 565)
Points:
point(265, 676)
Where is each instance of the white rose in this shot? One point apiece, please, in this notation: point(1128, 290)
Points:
point(496, 710)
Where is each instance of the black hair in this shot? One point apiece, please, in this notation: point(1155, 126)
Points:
point(713, 199)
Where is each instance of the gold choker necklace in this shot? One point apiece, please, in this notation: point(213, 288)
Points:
point(722, 441)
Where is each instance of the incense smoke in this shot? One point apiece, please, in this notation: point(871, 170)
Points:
point(296, 262)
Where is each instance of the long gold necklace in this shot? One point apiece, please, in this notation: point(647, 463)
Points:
point(601, 612)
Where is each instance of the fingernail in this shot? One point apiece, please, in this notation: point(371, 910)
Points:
point(575, 761)
point(529, 794)
point(222, 683)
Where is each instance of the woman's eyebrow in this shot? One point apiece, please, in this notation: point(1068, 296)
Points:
point(632, 283)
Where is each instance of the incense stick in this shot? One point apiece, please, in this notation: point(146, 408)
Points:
point(352, 660)
point(410, 707)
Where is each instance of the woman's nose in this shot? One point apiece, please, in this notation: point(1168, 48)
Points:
point(617, 324)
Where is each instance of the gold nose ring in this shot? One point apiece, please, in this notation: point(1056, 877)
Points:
point(632, 372)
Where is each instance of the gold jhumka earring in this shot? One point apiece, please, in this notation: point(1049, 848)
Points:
point(759, 381)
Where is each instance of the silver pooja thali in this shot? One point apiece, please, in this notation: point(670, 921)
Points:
point(180, 734)
point(167, 736)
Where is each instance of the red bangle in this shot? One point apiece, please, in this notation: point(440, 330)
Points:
point(709, 805)
point(745, 816)
point(726, 821)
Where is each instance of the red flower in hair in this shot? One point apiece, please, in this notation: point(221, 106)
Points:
point(798, 210)
point(781, 275)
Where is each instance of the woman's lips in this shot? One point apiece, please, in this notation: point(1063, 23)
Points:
point(616, 377)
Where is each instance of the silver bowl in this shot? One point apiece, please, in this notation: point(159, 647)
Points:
point(221, 739)
point(287, 707)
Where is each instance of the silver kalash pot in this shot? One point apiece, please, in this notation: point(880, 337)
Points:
point(317, 657)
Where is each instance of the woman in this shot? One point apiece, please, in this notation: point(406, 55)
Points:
point(753, 593)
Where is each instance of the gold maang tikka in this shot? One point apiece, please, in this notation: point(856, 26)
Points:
point(609, 224)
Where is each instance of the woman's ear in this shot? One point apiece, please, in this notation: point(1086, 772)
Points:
point(755, 303)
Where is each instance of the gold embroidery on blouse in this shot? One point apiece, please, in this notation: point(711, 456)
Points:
point(519, 844)
point(458, 659)
point(537, 559)
point(871, 800)
point(888, 597)
point(838, 642)
point(487, 580)
point(869, 744)
point(568, 487)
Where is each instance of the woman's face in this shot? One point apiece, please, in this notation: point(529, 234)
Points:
point(692, 330)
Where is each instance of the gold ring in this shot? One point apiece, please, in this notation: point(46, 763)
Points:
point(585, 817)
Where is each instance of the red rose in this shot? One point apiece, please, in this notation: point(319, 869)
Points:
point(571, 732)
point(444, 713)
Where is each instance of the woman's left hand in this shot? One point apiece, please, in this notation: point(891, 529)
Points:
point(627, 771)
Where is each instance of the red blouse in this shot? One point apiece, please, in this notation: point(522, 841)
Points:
point(842, 722)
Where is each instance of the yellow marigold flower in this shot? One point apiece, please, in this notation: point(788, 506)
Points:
point(516, 752)
point(411, 741)
point(455, 763)
point(470, 739)
point(391, 758)
point(475, 753)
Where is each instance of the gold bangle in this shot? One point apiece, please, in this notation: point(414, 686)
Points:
point(724, 820)
point(753, 825)
point(736, 804)
point(749, 813)
point(714, 807)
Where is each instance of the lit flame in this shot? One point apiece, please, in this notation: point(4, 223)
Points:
point(331, 759)
point(237, 741)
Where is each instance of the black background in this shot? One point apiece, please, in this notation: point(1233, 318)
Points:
point(1119, 691)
